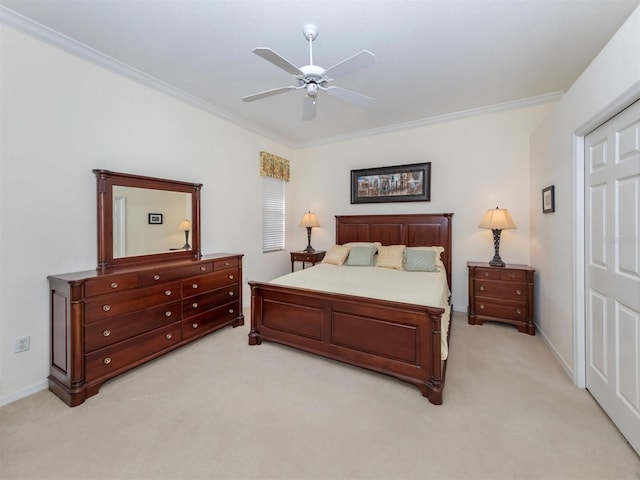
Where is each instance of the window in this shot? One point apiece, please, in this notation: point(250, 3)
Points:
point(272, 214)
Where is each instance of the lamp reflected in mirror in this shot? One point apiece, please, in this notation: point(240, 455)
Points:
point(186, 227)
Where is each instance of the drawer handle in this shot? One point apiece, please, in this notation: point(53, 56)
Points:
point(486, 274)
point(481, 288)
point(230, 277)
point(106, 307)
point(194, 304)
point(168, 336)
point(107, 361)
point(156, 277)
point(513, 275)
point(194, 286)
point(519, 312)
point(203, 269)
point(227, 264)
point(481, 307)
point(231, 294)
point(106, 333)
point(114, 285)
point(167, 314)
point(167, 292)
point(194, 325)
point(518, 292)
point(231, 310)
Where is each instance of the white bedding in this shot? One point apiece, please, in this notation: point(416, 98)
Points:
point(418, 288)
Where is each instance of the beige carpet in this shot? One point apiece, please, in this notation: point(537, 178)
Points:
point(221, 409)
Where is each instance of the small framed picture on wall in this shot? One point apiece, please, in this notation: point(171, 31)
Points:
point(155, 219)
point(548, 199)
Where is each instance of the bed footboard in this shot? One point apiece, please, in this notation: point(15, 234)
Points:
point(397, 339)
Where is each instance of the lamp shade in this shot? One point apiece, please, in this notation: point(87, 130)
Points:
point(497, 219)
point(185, 226)
point(309, 220)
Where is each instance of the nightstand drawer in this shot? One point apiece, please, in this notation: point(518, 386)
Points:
point(487, 273)
point(513, 275)
point(501, 310)
point(304, 257)
point(507, 291)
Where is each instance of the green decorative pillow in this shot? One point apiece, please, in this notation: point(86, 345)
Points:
point(420, 260)
point(361, 256)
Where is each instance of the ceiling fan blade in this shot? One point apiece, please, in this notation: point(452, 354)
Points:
point(267, 93)
point(309, 108)
point(271, 56)
point(360, 60)
point(350, 96)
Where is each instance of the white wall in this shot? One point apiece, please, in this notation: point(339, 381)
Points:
point(63, 117)
point(477, 163)
point(610, 82)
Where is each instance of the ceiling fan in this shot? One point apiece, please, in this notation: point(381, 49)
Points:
point(313, 78)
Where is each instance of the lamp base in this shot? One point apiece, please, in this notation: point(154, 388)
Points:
point(496, 262)
point(309, 248)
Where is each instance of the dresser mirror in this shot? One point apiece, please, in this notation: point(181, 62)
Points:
point(146, 219)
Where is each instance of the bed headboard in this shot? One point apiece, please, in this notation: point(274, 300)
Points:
point(412, 230)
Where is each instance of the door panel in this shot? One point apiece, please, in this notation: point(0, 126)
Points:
point(612, 268)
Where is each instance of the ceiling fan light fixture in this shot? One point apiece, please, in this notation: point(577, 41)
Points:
point(313, 77)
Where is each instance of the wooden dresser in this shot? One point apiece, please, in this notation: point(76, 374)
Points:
point(106, 322)
point(501, 294)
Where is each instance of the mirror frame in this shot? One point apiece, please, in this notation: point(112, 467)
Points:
point(105, 182)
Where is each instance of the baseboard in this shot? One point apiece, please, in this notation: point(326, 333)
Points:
point(563, 364)
point(25, 392)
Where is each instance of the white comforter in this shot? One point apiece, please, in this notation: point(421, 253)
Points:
point(418, 288)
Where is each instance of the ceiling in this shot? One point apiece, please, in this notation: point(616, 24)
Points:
point(435, 58)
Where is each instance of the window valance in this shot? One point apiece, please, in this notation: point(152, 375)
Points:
point(273, 166)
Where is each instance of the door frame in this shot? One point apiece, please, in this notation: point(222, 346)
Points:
point(624, 100)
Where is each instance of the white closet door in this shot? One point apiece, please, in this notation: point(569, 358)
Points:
point(612, 266)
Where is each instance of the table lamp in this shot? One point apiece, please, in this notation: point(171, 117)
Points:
point(496, 220)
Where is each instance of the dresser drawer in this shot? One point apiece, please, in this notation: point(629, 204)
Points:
point(100, 286)
point(107, 361)
point(107, 306)
point(206, 301)
point(112, 330)
point(513, 310)
point(153, 277)
point(196, 285)
point(209, 320)
point(226, 263)
point(506, 290)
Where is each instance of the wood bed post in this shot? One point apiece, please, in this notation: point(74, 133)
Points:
point(256, 314)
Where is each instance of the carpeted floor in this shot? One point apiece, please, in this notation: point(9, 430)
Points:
point(221, 409)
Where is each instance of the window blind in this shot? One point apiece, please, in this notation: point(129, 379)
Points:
point(272, 214)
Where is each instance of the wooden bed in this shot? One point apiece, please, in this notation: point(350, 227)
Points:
point(398, 339)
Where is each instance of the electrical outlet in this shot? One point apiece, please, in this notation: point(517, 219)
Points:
point(22, 344)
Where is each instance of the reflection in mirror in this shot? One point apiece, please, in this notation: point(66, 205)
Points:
point(144, 220)
point(135, 233)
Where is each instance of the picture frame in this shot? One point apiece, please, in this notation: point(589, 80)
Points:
point(155, 219)
point(399, 183)
point(548, 199)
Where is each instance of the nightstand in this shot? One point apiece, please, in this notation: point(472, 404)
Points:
point(501, 294)
point(306, 257)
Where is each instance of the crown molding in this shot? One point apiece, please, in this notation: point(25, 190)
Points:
point(63, 42)
point(499, 107)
